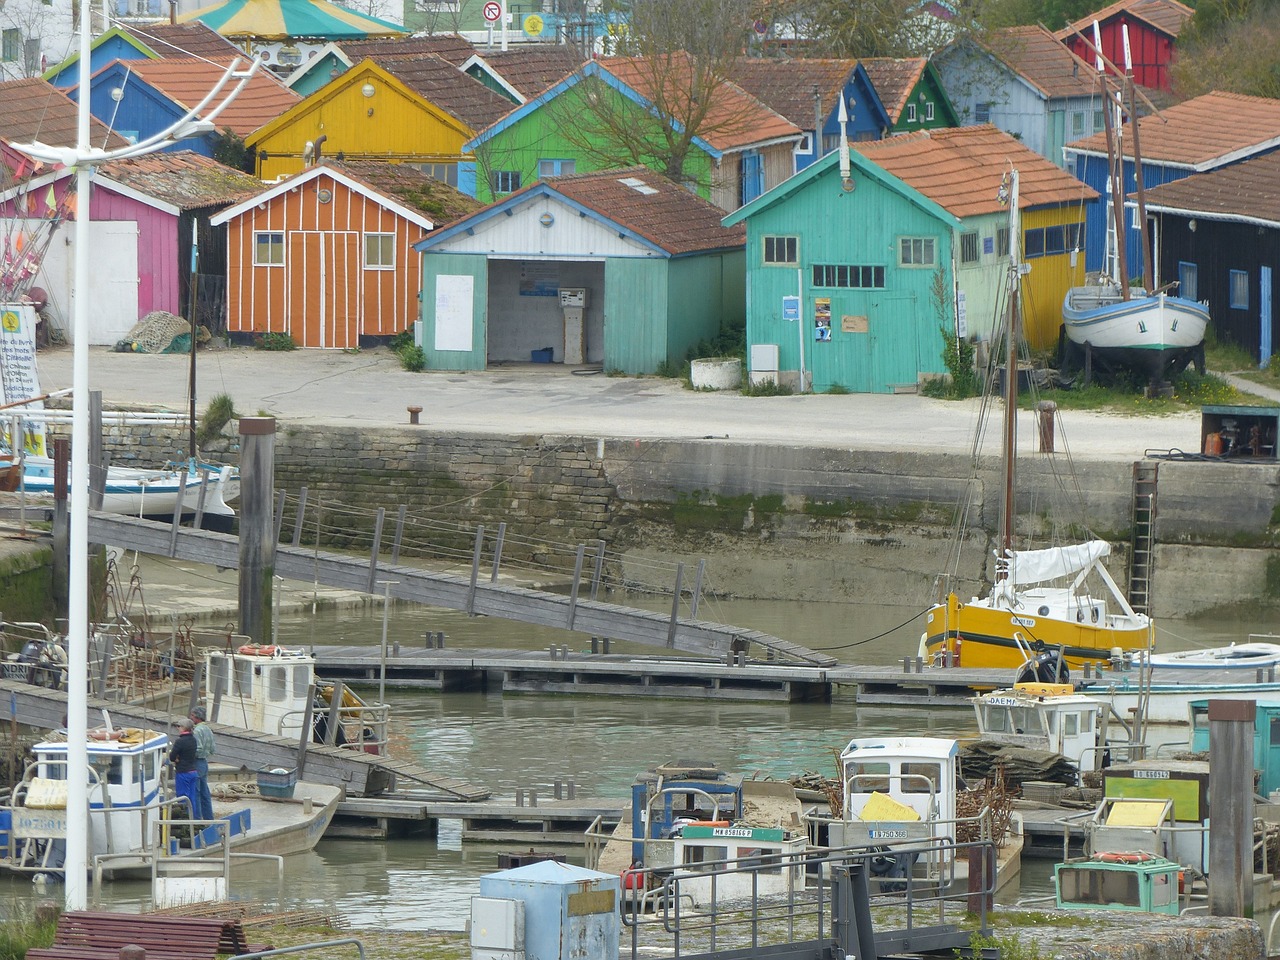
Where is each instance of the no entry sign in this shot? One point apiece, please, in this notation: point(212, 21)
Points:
point(492, 11)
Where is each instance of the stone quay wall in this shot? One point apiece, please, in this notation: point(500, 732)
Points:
point(774, 522)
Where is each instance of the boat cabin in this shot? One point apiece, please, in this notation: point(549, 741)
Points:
point(765, 862)
point(1183, 785)
point(1045, 716)
point(667, 799)
point(1132, 882)
point(124, 798)
point(1266, 741)
point(921, 773)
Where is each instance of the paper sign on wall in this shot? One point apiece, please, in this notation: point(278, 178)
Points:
point(455, 312)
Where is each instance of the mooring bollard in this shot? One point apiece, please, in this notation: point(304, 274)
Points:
point(413, 415)
point(519, 796)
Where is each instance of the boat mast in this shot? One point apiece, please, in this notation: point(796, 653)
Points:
point(1144, 230)
point(1115, 170)
point(1009, 445)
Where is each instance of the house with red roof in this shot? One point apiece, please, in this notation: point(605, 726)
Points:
point(1207, 133)
point(1152, 27)
point(140, 98)
point(33, 109)
point(1218, 236)
point(619, 269)
point(145, 213)
point(326, 256)
point(911, 248)
point(721, 142)
point(1024, 81)
point(912, 94)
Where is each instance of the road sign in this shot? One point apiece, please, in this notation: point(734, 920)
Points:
point(492, 11)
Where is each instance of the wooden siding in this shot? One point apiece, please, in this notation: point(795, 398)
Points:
point(970, 79)
point(538, 136)
point(705, 295)
point(635, 330)
point(158, 283)
point(1046, 285)
point(891, 335)
point(1151, 50)
point(393, 124)
point(144, 111)
point(323, 295)
point(1093, 171)
point(1216, 248)
point(450, 264)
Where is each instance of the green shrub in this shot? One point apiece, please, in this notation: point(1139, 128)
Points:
point(766, 388)
point(217, 415)
point(25, 928)
point(957, 357)
point(275, 341)
point(412, 358)
point(401, 340)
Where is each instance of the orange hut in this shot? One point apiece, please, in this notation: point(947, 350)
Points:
point(327, 256)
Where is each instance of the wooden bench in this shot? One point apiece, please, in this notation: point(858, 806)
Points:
point(99, 935)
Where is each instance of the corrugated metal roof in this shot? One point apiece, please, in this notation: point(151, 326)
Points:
point(734, 119)
point(440, 82)
point(532, 69)
point(410, 186)
point(1043, 60)
point(184, 179)
point(34, 109)
point(185, 40)
point(1201, 131)
point(452, 47)
point(1249, 190)
point(1168, 16)
point(786, 86)
point(961, 169)
point(894, 79)
point(187, 81)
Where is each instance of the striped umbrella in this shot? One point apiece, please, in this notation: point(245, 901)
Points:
point(291, 19)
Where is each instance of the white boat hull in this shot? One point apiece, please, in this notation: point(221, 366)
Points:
point(137, 492)
point(1097, 315)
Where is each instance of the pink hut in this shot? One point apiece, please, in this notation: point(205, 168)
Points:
point(145, 214)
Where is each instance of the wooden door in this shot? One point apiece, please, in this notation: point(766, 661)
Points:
point(324, 289)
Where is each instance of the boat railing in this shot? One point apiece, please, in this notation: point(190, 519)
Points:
point(1092, 757)
point(702, 908)
point(363, 726)
point(596, 836)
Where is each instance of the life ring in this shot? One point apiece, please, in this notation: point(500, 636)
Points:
point(253, 650)
point(102, 733)
point(1126, 856)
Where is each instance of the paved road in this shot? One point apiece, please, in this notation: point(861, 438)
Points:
point(370, 388)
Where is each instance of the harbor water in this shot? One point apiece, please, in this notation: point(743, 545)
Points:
point(510, 743)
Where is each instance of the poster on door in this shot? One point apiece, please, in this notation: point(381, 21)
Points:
point(822, 319)
point(18, 379)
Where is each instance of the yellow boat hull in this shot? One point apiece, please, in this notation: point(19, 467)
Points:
point(978, 636)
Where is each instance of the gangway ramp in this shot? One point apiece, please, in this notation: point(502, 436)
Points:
point(451, 591)
point(362, 774)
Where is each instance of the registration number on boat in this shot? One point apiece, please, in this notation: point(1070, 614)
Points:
point(1022, 621)
point(887, 834)
point(1151, 774)
point(1002, 701)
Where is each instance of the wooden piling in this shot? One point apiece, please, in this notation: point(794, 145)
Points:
point(257, 546)
point(1231, 786)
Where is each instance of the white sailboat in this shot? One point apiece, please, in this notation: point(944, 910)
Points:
point(1119, 324)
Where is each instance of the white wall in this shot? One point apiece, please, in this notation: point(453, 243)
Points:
point(519, 324)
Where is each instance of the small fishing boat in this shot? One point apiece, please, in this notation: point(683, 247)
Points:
point(140, 492)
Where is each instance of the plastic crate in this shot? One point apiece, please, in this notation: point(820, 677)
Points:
point(277, 784)
point(542, 356)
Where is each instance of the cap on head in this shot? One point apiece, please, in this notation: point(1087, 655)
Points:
point(198, 714)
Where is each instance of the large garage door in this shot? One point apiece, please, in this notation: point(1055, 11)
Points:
point(113, 278)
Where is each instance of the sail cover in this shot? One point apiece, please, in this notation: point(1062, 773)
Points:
point(1037, 566)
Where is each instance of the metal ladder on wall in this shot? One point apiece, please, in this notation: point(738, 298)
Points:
point(1143, 537)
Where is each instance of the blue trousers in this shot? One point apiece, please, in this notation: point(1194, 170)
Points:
point(188, 785)
point(205, 810)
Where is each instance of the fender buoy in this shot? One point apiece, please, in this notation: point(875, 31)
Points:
point(1127, 856)
point(253, 650)
point(633, 879)
point(102, 733)
point(709, 823)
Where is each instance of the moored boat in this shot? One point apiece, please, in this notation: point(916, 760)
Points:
point(139, 492)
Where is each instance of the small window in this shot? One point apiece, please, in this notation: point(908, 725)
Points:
point(379, 251)
point(849, 276)
point(1053, 241)
point(1099, 122)
point(969, 247)
point(781, 250)
point(12, 45)
point(1002, 242)
point(1072, 724)
point(1033, 243)
point(911, 113)
point(806, 143)
point(505, 181)
point(1077, 124)
point(268, 249)
point(1188, 280)
point(1239, 290)
point(982, 113)
point(301, 679)
point(243, 679)
point(444, 172)
point(917, 252)
point(556, 168)
point(1073, 235)
point(277, 683)
point(921, 777)
point(928, 111)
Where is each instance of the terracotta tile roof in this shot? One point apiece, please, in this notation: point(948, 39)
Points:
point(1168, 16)
point(786, 86)
point(1250, 189)
point(187, 81)
point(961, 168)
point(1043, 60)
point(532, 69)
point(191, 39)
point(894, 79)
point(734, 120)
point(33, 109)
point(1202, 132)
point(185, 179)
point(452, 47)
point(662, 212)
point(411, 187)
point(440, 82)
